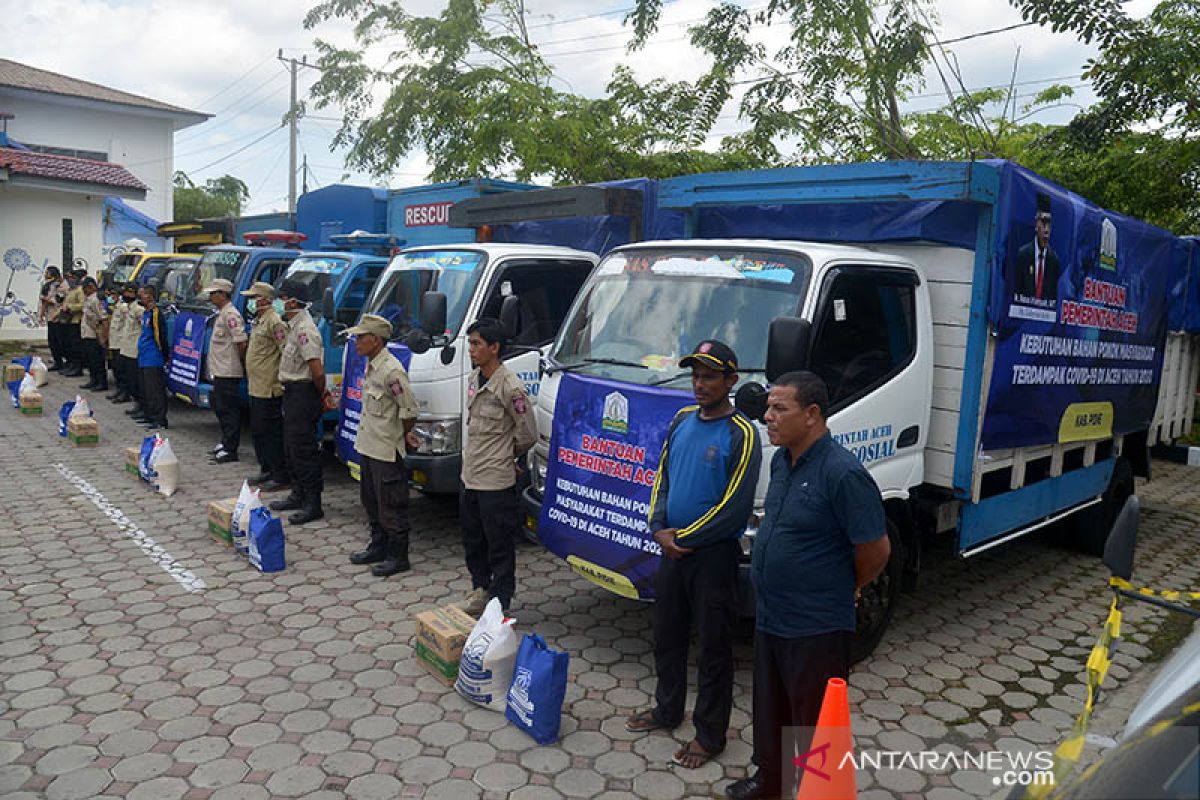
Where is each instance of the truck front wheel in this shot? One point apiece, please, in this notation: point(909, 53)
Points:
point(878, 600)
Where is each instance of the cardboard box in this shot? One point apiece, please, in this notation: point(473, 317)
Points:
point(13, 372)
point(31, 403)
point(132, 455)
point(220, 520)
point(441, 634)
point(83, 432)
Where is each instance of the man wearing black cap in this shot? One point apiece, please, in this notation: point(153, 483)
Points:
point(702, 498)
point(73, 316)
point(302, 373)
point(54, 293)
point(1037, 267)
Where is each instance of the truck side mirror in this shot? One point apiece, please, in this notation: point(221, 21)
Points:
point(433, 313)
point(1122, 540)
point(788, 340)
point(327, 308)
point(510, 316)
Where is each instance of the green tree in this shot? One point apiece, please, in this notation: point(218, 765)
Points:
point(218, 197)
point(469, 88)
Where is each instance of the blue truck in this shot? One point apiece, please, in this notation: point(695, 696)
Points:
point(187, 375)
point(988, 392)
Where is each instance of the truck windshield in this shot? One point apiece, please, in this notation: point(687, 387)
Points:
point(213, 264)
point(644, 309)
point(317, 273)
point(397, 298)
point(122, 267)
point(177, 279)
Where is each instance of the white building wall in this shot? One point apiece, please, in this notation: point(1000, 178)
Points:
point(142, 143)
point(31, 239)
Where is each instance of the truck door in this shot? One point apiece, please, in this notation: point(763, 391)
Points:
point(546, 289)
point(866, 348)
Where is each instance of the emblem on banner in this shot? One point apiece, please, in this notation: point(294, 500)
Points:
point(187, 329)
point(616, 413)
point(1108, 245)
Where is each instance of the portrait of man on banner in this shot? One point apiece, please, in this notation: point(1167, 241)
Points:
point(1036, 269)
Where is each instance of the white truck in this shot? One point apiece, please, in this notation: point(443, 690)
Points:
point(986, 401)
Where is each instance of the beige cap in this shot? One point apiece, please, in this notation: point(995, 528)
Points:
point(260, 289)
point(219, 285)
point(374, 324)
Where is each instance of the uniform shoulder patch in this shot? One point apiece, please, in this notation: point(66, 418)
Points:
point(396, 387)
point(280, 335)
point(302, 338)
point(234, 322)
point(519, 404)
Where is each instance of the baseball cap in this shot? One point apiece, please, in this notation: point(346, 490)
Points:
point(260, 289)
point(219, 285)
point(373, 324)
point(294, 289)
point(712, 354)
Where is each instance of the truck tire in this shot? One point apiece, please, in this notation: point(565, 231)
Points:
point(1090, 527)
point(877, 605)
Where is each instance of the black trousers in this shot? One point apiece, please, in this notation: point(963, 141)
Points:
point(266, 431)
point(154, 394)
point(56, 337)
point(74, 340)
point(789, 685)
point(93, 360)
point(489, 528)
point(227, 404)
point(301, 450)
point(128, 366)
point(383, 489)
point(701, 588)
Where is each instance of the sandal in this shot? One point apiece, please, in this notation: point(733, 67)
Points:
point(693, 755)
point(643, 722)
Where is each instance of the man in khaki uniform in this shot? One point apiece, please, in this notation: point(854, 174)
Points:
point(127, 348)
point(302, 373)
point(267, 337)
point(226, 350)
point(119, 313)
point(54, 292)
point(389, 410)
point(73, 316)
point(500, 429)
point(90, 322)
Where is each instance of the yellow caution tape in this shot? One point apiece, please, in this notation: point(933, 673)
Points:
point(1173, 596)
point(1067, 753)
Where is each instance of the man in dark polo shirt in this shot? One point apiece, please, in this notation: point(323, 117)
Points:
point(703, 495)
point(823, 538)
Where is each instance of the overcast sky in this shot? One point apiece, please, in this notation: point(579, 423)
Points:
point(219, 57)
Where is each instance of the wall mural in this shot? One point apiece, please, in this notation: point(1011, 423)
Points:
point(12, 307)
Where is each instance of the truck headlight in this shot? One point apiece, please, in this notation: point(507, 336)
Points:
point(539, 458)
point(439, 436)
point(748, 536)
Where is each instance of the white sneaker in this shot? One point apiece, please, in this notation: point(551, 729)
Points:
point(475, 602)
point(218, 447)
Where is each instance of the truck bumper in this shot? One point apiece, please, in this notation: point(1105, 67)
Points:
point(435, 474)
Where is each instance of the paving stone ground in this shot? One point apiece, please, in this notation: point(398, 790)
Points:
point(120, 676)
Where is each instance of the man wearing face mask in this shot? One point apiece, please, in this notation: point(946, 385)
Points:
point(54, 293)
point(90, 324)
point(73, 316)
point(305, 398)
point(126, 327)
point(225, 356)
point(267, 337)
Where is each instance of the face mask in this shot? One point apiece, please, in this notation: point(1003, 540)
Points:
point(278, 306)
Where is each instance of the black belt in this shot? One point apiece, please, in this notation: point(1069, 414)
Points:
point(296, 384)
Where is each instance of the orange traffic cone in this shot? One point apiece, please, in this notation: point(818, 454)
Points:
point(826, 772)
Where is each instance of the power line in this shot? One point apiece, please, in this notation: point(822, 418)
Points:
point(235, 152)
point(236, 81)
point(202, 130)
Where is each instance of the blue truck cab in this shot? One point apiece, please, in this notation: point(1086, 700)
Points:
point(339, 283)
point(188, 377)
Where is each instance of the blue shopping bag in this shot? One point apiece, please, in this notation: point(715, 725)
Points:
point(14, 389)
point(24, 361)
point(146, 472)
point(265, 541)
point(539, 685)
point(63, 413)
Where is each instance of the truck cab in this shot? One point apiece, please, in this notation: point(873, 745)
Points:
point(432, 295)
point(339, 283)
point(188, 377)
point(136, 266)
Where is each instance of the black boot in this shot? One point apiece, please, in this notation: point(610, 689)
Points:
point(374, 553)
point(91, 384)
point(261, 477)
point(72, 371)
point(752, 788)
point(290, 503)
point(136, 411)
point(397, 560)
point(308, 513)
point(122, 397)
point(112, 397)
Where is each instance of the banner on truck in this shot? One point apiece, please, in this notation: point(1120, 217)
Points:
point(604, 453)
point(183, 373)
point(354, 368)
point(1080, 305)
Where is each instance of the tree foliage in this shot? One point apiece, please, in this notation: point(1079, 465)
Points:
point(469, 88)
point(218, 197)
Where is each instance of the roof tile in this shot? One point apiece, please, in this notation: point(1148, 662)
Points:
point(67, 168)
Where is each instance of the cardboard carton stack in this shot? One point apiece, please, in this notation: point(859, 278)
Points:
point(83, 432)
point(31, 404)
point(220, 520)
point(441, 634)
point(13, 372)
point(132, 454)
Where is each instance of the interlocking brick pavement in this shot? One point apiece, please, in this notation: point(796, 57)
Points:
point(119, 678)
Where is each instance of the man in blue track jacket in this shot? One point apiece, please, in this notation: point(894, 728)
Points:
point(702, 498)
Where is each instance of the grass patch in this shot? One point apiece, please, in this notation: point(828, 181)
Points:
point(1175, 628)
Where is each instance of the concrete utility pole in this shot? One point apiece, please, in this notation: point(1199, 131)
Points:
point(293, 122)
